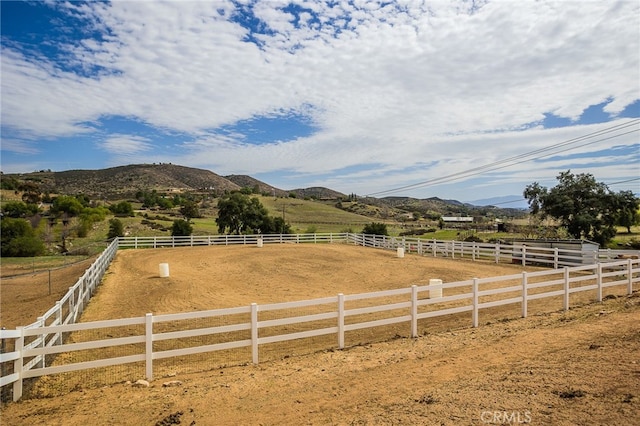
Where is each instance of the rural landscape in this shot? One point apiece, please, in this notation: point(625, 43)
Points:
point(543, 369)
point(320, 212)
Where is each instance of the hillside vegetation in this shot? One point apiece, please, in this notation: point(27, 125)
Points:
point(158, 195)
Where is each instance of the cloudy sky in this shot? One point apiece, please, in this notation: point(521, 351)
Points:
point(456, 99)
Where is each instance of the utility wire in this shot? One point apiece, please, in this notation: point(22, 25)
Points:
point(529, 156)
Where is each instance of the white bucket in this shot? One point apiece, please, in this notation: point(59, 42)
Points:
point(436, 292)
point(400, 251)
point(164, 270)
point(260, 242)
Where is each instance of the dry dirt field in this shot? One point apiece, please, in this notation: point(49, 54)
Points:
point(556, 368)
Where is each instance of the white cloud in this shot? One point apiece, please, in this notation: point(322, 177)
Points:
point(389, 87)
point(123, 145)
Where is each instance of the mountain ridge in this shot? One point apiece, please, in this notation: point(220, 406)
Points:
point(125, 181)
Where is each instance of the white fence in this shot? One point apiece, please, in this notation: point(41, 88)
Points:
point(45, 337)
point(225, 240)
point(66, 311)
point(496, 252)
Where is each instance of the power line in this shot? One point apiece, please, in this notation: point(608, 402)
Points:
point(524, 199)
point(521, 158)
point(623, 181)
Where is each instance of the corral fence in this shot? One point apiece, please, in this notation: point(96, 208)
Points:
point(35, 348)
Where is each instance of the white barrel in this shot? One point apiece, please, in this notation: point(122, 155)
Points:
point(164, 270)
point(400, 251)
point(260, 242)
point(436, 292)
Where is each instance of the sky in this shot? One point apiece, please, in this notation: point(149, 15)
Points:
point(462, 100)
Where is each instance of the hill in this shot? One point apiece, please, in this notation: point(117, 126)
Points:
point(259, 187)
point(125, 181)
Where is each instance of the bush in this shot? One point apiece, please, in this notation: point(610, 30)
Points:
point(181, 228)
point(375, 229)
point(116, 229)
point(19, 240)
point(123, 209)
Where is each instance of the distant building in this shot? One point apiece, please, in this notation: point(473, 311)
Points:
point(457, 219)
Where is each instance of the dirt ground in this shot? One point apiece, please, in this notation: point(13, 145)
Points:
point(558, 368)
point(23, 298)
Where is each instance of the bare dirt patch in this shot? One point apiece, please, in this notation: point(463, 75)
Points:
point(578, 367)
point(25, 297)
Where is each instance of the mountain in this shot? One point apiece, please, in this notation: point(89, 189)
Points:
point(318, 192)
point(245, 181)
point(125, 181)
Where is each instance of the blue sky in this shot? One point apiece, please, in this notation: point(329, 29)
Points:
point(455, 99)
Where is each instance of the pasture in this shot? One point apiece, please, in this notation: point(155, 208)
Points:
point(451, 374)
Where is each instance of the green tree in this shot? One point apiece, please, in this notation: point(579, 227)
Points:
point(116, 228)
point(239, 214)
point(189, 210)
point(122, 209)
point(586, 208)
point(181, 228)
point(19, 239)
point(375, 228)
point(88, 217)
point(628, 210)
point(66, 204)
point(17, 209)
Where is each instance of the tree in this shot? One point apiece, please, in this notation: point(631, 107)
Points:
point(17, 209)
point(123, 208)
point(66, 204)
point(19, 239)
point(628, 210)
point(189, 210)
point(239, 214)
point(375, 229)
point(181, 228)
point(586, 208)
point(116, 229)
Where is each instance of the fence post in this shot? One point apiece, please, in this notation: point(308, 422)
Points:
point(18, 365)
point(497, 252)
point(148, 332)
point(414, 311)
point(566, 289)
point(475, 302)
point(555, 258)
point(524, 294)
point(43, 341)
point(59, 320)
point(340, 321)
point(524, 255)
point(630, 276)
point(254, 332)
point(599, 273)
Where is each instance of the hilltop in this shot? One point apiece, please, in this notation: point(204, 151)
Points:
point(124, 182)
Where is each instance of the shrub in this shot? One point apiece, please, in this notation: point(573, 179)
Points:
point(19, 240)
point(375, 229)
point(116, 229)
point(181, 228)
